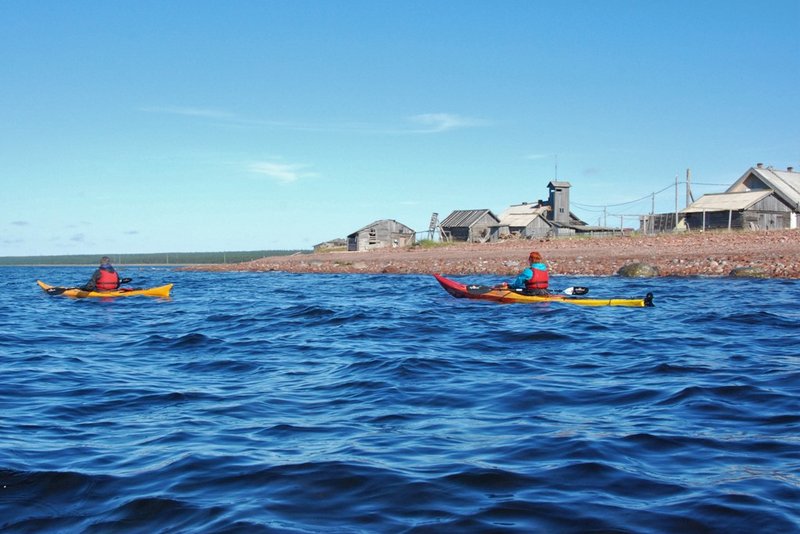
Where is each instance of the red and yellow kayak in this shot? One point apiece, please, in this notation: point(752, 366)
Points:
point(459, 290)
point(161, 291)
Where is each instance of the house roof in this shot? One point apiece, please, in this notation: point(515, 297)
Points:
point(398, 227)
point(786, 184)
point(727, 201)
point(466, 218)
point(520, 215)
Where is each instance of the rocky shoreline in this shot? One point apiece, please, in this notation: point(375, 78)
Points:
point(771, 254)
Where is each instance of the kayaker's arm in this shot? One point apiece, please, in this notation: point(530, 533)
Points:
point(91, 285)
point(519, 281)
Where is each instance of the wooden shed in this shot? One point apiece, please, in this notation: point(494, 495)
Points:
point(337, 244)
point(762, 198)
point(380, 234)
point(527, 220)
point(473, 226)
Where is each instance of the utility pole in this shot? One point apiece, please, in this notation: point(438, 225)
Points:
point(652, 213)
point(676, 201)
point(689, 196)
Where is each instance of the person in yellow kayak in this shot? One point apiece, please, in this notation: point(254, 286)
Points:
point(105, 278)
point(534, 279)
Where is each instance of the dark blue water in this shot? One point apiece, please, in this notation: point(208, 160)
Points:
point(356, 403)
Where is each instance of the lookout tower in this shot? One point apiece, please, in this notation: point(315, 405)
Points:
point(559, 202)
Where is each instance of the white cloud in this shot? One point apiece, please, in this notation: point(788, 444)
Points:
point(442, 122)
point(426, 122)
point(283, 172)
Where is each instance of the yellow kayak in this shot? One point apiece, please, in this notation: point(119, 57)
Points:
point(161, 291)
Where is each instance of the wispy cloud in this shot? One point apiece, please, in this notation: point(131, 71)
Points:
point(283, 172)
point(539, 156)
point(206, 113)
point(20, 223)
point(78, 238)
point(424, 123)
point(443, 122)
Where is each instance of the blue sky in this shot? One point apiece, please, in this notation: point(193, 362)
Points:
point(150, 126)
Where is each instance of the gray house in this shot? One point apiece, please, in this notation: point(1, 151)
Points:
point(380, 234)
point(550, 218)
point(472, 226)
point(762, 198)
point(527, 220)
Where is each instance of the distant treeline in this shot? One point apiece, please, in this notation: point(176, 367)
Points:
point(160, 258)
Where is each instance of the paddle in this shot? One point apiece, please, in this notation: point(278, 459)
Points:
point(575, 290)
point(60, 290)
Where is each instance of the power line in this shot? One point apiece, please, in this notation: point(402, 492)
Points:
point(646, 197)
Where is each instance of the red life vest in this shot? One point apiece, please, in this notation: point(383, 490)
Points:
point(539, 280)
point(108, 280)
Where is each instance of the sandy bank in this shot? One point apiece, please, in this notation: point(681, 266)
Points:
point(776, 253)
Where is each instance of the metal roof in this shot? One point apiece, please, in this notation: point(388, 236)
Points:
point(727, 201)
point(465, 218)
point(396, 227)
point(520, 215)
point(786, 184)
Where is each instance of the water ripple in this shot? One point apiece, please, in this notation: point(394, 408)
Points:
point(378, 403)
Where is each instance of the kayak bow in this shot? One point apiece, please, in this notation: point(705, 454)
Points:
point(459, 290)
point(161, 291)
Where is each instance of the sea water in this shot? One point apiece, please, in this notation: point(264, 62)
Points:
point(275, 402)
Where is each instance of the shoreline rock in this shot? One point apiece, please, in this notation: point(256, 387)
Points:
point(774, 253)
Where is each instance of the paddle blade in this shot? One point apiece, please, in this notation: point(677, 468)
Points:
point(577, 290)
point(56, 290)
point(126, 280)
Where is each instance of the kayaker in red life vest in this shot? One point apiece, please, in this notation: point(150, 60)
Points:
point(105, 278)
point(533, 280)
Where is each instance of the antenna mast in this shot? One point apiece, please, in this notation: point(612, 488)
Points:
point(556, 178)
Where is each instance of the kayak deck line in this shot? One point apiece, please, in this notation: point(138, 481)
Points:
point(76, 292)
point(505, 295)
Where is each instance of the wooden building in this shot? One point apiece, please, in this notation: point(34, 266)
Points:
point(558, 200)
point(762, 198)
point(380, 234)
point(337, 244)
point(550, 218)
point(473, 226)
point(527, 220)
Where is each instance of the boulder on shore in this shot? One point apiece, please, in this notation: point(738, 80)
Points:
point(748, 272)
point(638, 270)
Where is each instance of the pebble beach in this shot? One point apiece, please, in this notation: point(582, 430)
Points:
point(769, 254)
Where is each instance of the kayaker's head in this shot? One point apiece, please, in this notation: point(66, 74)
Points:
point(534, 257)
point(105, 263)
